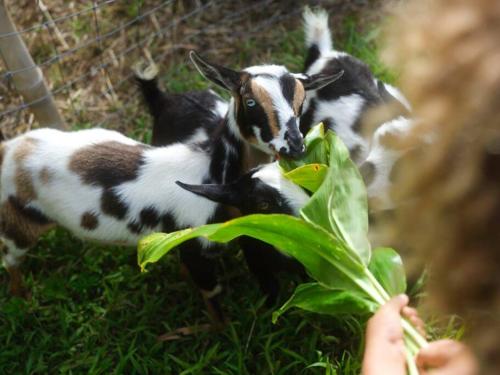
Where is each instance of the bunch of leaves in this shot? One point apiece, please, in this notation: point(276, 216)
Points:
point(329, 239)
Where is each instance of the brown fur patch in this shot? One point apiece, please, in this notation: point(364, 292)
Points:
point(108, 164)
point(25, 189)
point(46, 174)
point(298, 97)
point(89, 220)
point(253, 157)
point(262, 97)
point(15, 226)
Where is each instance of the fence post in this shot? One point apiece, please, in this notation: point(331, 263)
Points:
point(29, 83)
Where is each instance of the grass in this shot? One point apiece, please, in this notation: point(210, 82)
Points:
point(93, 312)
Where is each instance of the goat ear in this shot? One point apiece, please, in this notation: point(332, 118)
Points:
point(220, 193)
point(224, 77)
point(318, 81)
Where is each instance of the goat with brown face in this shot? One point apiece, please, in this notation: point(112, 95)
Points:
point(266, 103)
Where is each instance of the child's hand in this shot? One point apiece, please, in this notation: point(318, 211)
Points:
point(385, 350)
point(446, 357)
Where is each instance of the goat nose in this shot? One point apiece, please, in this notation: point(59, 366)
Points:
point(294, 139)
point(293, 153)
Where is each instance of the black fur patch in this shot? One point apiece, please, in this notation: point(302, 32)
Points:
point(357, 79)
point(149, 217)
point(32, 214)
point(225, 166)
point(367, 171)
point(329, 124)
point(168, 223)
point(287, 83)
point(112, 205)
point(15, 234)
point(312, 55)
point(306, 120)
point(89, 220)
point(355, 153)
point(221, 215)
point(135, 227)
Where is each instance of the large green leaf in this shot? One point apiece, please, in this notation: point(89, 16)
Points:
point(387, 267)
point(317, 298)
point(317, 150)
point(308, 176)
point(340, 205)
point(324, 257)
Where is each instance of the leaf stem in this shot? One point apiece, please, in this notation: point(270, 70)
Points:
point(380, 289)
point(412, 333)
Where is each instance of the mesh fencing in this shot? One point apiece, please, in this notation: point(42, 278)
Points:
point(86, 49)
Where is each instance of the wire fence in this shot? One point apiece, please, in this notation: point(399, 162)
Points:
point(86, 49)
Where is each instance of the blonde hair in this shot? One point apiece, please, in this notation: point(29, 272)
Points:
point(448, 53)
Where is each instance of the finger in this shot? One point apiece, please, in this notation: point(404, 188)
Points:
point(397, 303)
point(437, 353)
point(409, 312)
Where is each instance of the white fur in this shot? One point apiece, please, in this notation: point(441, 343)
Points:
point(221, 108)
point(200, 135)
point(65, 198)
point(231, 121)
point(271, 175)
point(316, 30)
point(344, 112)
point(275, 70)
point(323, 61)
point(383, 159)
point(14, 255)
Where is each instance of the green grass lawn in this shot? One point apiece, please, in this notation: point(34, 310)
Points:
point(92, 311)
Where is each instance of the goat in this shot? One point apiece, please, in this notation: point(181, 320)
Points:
point(262, 190)
point(342, 107)
point(357, 99)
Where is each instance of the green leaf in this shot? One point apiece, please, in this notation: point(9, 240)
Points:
point(317, 132)
point(340, 205)
point(317, 298)
point(387, 267)
point(154, 246)
point(324, 257)
point(308, 176)
point(317, 150)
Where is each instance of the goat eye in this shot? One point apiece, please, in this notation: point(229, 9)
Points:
point(263, 206)
point(250, 103)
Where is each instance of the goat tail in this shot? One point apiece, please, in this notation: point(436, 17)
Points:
point(147, 79)
point(316, 30)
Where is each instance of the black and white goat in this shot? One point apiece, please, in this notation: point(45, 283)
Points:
point(105, 187)
point(357, 97)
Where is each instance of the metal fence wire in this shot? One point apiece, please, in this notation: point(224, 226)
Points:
point(86, 49)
